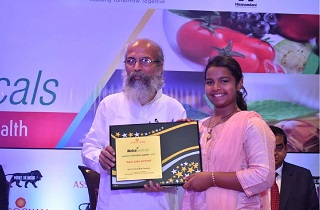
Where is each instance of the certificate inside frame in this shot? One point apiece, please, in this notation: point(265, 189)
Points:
point(180, 151)
point(138, 158)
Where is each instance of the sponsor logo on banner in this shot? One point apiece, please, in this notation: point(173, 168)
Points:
point(80, 184)
point(21, 203)
point(246, 4)
point(84, 206)
point(29, 177)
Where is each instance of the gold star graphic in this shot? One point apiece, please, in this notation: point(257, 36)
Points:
point(179, 174)
point(117, 134)
point(190, 170)
point(130, 134)
point(196, 165)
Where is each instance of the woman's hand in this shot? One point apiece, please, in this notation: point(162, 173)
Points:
point(185, 120)
point(153, 187)
point(199, 182)
point(107, 159)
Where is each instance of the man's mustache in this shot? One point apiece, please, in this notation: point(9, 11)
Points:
point(142, 75)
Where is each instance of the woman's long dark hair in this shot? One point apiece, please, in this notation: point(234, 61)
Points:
point(233, 66)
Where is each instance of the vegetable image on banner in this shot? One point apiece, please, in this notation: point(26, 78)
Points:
point(260, 42)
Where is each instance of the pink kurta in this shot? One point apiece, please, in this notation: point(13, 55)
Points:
point(243, 144)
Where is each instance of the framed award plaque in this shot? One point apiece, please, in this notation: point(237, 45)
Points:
point(161, 152)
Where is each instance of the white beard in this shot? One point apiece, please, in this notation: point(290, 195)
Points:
point(142, 90)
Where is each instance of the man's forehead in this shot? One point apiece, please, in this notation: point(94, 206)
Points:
point(142, 46)
point(137, 53)
point(142, 43)
point(279, 139)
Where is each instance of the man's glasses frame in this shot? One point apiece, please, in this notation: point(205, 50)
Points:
point(144, 61)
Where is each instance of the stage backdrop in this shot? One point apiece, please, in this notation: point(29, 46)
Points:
point(58, 59)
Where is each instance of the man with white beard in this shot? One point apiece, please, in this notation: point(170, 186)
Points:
point(141, 101)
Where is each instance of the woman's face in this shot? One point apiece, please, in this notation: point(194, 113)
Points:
point(221, 88)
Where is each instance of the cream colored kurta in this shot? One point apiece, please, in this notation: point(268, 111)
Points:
point(117, 110)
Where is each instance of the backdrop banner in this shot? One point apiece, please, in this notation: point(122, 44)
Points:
point(58, 59)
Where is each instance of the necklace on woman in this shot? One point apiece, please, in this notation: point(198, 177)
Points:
point(209, 130)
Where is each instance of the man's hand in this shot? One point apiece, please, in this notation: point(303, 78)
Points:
point(107, 159)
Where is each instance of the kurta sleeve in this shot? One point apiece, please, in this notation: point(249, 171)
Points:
point(259, 147)
point(95, 140)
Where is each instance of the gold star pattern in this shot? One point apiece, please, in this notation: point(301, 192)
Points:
point(131, 134)
point(190, 170)
point(179, 174)
point(180, 170)
point(195, 165)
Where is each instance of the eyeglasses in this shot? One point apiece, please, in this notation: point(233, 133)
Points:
point(279, 147)
point(142, 61)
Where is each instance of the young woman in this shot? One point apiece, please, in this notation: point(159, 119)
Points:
point(237, 147)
